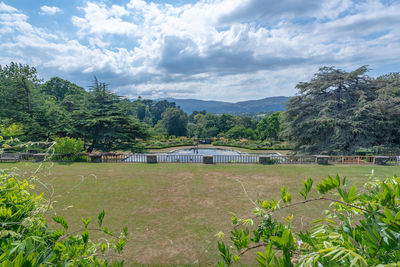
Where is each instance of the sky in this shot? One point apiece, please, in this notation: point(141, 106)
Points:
point(229, 50)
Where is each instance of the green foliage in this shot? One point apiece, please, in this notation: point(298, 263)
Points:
point(59, 108)
point(361, 228)
point(68, 145)
point(27, 240)
point(160, 141)
point(339, 112)
point(252, 144)
point(270, 126)
point(60, 89)
point(175, 121)
point(238, 132)
point(8, 134)
point(70, 148)
point(104, 123)
point(12, 130)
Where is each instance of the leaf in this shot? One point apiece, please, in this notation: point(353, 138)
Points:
point(60, 220)
point(286, 197)
point(307, 185)
point(352, 194)
point(234, 219)
point(100, 218)
point(343, 193)
point(397, 217)
point(85, 236)
point(125, 231)
point(86, 221)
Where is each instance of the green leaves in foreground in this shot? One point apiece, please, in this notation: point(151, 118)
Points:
point(60, 220)
point(361, 228)
point(307, 185)
point(27, 240)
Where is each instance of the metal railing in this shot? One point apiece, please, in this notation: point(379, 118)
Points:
point(227, 159)
point(165, 158)
point(236, 159)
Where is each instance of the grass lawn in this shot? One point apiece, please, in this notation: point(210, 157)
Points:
point(173, 211)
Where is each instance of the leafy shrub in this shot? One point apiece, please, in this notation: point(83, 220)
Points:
point(12, 130)
point(361, 228)
point(251, 144)
point(70, 147)
point(27, 240)
point(7, 136)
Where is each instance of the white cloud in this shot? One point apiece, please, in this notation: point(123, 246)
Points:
point(100, 19)
point(49, 10)
point(213, 49)
point(6, 8)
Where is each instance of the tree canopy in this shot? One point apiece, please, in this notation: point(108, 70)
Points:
point(341, 112)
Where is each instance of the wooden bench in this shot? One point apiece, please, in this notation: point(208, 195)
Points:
point(9, 157)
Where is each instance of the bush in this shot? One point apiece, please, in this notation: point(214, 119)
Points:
point(361, 228)
point(27, 240)
point(70, 147)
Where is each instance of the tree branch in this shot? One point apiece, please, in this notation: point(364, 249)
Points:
point(253, 247)
point(327, 199)
point(89, 229)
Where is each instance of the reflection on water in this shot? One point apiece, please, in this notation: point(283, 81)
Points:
point(204, 151)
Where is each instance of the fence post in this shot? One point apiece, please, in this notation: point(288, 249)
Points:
point(151, 158)
point(208, 159)
point(97, 158)
point(381, 160)
point(322, 160)
point(265, 160)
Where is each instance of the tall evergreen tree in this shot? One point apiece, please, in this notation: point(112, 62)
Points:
point(332, 113)
point(103, 123)
point(18, 88)
point(60, 88)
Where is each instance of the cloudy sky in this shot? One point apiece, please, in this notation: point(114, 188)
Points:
point(209, 49)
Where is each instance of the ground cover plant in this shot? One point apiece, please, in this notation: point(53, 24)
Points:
point(174, 211)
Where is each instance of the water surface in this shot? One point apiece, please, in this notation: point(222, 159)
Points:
point(204, 151)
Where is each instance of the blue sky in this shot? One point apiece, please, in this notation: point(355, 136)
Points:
point(209, 49)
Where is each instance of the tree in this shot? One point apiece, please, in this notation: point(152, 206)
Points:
point(330, 114)
point(18, 88)
point(248, 122)
point(238, 132)
point(103, 123)
point(158, 109)
point(361, 228)
point(387, 111)
point(194, 113)
point(175, 121)
point(226, 122)
point(269, 127)
point(206, 125)
point(60, 88)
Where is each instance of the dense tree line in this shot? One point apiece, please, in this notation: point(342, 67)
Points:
point(168, 119)
point(335, 112)
point(104, 120)
point(59, 108)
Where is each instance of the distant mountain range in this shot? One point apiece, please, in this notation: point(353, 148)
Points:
point(265, 105)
